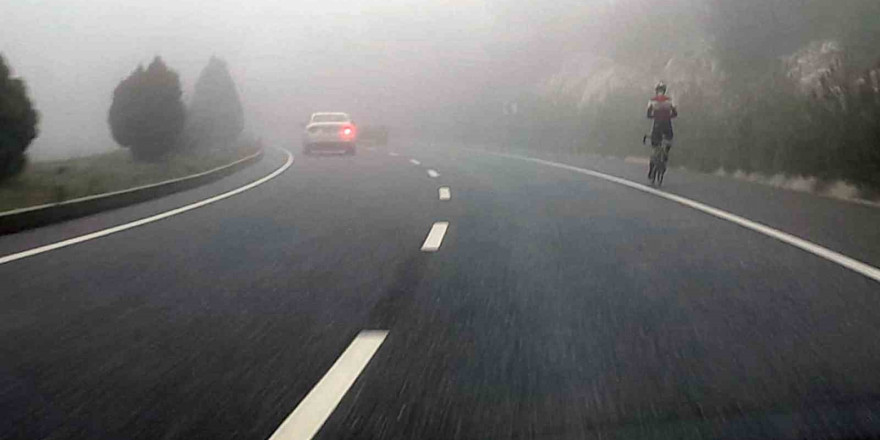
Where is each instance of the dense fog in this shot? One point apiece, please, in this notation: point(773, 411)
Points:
point(769, 86)
point(388, 61)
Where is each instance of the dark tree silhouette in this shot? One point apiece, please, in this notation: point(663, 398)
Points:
point(147, 114)
point(18, 122)
point(215, 117)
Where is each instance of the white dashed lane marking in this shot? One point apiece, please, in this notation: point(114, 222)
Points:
point(311, 413)
point(445, 193)
point(433, 173)
point(393, 154)
point(435, 237)
point(414, 162)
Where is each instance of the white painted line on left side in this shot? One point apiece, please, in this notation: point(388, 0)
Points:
point(435, 237)
point(414, 162)
point(104, 232)
point(433, 173)
point(311, 413)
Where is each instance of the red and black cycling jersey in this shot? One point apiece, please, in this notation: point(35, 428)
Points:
point(661, 108)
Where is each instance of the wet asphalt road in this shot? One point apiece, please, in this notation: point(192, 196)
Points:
point(558, 306)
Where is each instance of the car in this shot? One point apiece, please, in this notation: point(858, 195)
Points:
point(330, 131)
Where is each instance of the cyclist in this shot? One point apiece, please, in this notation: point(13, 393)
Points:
point(662, 110)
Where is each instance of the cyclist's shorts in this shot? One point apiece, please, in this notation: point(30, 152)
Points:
point(662, 130)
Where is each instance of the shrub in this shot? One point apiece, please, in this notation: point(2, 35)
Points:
point(147, 114)
point(215, 117)
point(18, 122)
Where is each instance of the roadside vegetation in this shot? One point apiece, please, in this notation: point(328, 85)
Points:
point(147, 114)
point(770, 87)
point(18, 122)
point(161, 137)
point(56, 181)
point(215, 117)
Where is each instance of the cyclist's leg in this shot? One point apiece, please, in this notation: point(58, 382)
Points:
point(668, 134)
point(654, 160)
point(657, 134)
point(656, 163)
point(656, 141)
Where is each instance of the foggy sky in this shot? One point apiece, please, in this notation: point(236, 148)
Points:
point(385, 61)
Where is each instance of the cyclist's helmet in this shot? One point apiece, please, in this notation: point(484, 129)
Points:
point(660, 87)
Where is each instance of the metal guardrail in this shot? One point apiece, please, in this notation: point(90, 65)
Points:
point(36, 216)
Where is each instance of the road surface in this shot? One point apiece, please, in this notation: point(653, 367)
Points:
point(461, 294)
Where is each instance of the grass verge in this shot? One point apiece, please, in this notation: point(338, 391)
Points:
point(57, 181)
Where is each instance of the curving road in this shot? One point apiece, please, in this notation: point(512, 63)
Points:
point(353, 298)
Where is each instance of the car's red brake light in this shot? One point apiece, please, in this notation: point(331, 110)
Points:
point(347, 132)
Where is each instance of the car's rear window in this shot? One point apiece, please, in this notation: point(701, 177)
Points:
point(330, 118)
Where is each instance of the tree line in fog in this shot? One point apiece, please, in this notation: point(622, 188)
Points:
point(148, 114)
point(767, 86)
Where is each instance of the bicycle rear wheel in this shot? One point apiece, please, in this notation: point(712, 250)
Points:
point(656, 166)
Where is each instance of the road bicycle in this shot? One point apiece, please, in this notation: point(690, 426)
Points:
point(657, 165)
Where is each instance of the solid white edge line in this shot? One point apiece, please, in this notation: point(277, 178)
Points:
point(435, 237)
point(813, 248)
point(445, 193)
point(414, 162)
point(143, 221)
point(311, 413)
point(433, 173)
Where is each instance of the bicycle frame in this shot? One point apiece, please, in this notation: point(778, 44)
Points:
point(659, 158)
